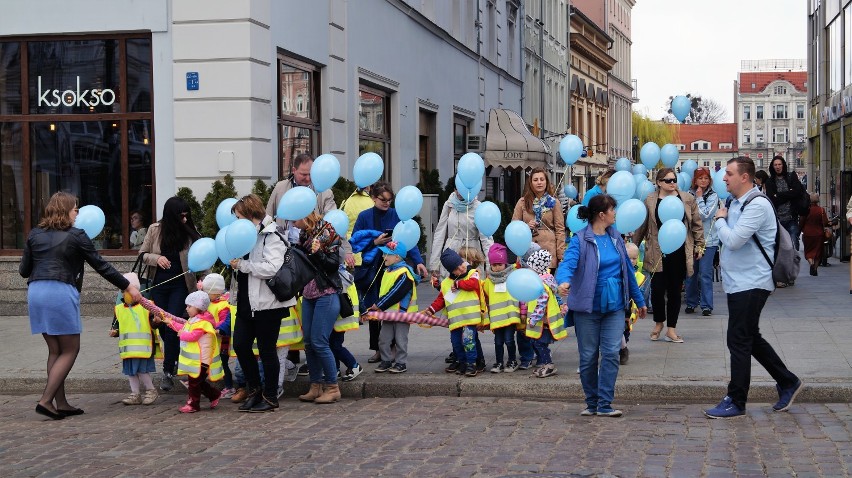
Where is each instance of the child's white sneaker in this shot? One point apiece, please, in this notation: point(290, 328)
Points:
point(150, 396)
point(133, 399)
point(511, 366)
point(497, 368)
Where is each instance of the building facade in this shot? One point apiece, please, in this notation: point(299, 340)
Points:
point(710, 145)
point(621, 94)
point(161, 94)
point(770, 112)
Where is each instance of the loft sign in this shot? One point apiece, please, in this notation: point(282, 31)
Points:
point(76, 97)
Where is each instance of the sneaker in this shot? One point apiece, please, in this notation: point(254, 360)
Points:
point(383, 366)
point(453, 367)
point(167, 383)
point(578, 370)
point(707, 312)
point(239, 396)
point(291, 372)
point(497, 368)
point(450, 358)
point(511, 366)
point(279, 392)
point(609, 412)
point(375, 358)
point(398, 368)
point(215, 402)
point(536, 369)
point(303, 370)
point(228, 392)
point(187, 409)
point(786, 396)
point(133, 399)
point(725, 409)
point(546, 371)
point(588, 412)
point(462, 368)
point(525, 365)
point(480, 366)
point(352, 373)
point(623, 356)
point(472, 370)
point(689, 310)
point(150, 396)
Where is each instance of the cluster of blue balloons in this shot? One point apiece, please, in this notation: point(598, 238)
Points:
point(91, 220)
point(469, 175)
point(672, 233)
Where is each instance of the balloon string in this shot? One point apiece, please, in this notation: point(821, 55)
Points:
point(167, 280)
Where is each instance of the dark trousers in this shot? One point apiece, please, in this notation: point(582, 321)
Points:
point(170, 296)
point(199, 386)
point(665, 296)
point(265, 331)
point(745, 342)
point(341, 353)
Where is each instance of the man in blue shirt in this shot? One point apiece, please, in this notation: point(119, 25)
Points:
point(747, 280)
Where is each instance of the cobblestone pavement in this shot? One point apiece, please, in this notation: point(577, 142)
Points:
point(421, 437)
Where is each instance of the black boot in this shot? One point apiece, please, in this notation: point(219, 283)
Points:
point(253, 397)
point(265, 405)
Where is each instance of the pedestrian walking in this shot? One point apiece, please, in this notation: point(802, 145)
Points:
point(815, 228)
point(747, 280)
point(785, 190)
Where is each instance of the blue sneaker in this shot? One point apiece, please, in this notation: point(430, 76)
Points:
point(725, 409)
point(525, 364)
point(786, 396)
point(609, 412)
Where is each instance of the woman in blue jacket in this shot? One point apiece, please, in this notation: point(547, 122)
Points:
point(598, 278)
point(373, 229)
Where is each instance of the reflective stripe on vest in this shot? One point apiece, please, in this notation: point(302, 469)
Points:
point(289, 333)
point(296, 312)
point(554, 319)
point(389, 278)
point(466, 308)
point(503, 309)
point(231, 351)
point(135, 340)
point(343, 324)
point(189, 360)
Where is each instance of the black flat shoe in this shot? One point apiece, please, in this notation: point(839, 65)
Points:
point(42, 410)
point(71, 412)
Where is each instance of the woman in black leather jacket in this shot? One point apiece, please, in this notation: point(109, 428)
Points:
point(53, 265)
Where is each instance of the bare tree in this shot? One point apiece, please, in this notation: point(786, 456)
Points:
point(702, 111)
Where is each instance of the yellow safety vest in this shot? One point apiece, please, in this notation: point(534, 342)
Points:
point(503, 309)
point(215, 308)
point(389, 278)
point(554, 318)
point(343, 324)
point(466, 306)
point(135, 339)
point(296, 314)
point(290, 331)
point(189, 361)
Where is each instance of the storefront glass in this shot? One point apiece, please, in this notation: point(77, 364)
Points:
point(11, 187)
point(10, 78)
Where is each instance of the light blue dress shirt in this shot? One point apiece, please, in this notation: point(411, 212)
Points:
point(743, 265)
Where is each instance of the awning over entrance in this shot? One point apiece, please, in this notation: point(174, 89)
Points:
point(510, 144)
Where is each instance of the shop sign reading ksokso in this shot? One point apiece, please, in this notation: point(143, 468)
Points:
point(90, 97)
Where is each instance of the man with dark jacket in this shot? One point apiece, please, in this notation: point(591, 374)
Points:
point(786, 192)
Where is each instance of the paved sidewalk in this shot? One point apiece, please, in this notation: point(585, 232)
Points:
point(810, 325)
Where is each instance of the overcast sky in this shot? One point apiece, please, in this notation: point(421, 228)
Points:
point(695, 46)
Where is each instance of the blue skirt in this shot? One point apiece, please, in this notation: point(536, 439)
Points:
point(132, 366)
point(54, 308)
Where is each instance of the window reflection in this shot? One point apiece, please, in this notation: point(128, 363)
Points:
point(139, 75)
point(295, 141)
point(295, 92)
point(371, 113)
point(10, 78)
point(11, 187)
point(140, 180)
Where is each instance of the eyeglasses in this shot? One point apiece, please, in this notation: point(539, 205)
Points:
point(669, 180)
point(384, 199)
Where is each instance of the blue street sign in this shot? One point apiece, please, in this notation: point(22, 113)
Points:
point(192, 80)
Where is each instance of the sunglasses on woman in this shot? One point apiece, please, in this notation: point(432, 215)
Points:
point(668, 180)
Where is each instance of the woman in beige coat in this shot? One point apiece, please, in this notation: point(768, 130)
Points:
point(542, 212)
point(669, 271)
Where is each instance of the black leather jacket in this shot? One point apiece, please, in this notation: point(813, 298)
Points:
point(51, 254)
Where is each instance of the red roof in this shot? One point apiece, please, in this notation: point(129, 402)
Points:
point(712, 133)
point(760, 80)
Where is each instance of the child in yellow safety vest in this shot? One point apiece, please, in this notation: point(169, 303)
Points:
point(504, 311)
point(461, 295)
point(343, 325)
point(545, 320)
point(630, 314)
point(199, 352)
point(138, 344)
point(214, 286)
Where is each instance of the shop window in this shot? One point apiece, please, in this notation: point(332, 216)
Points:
point(373, 130)
point(82, 123)
point(298, 111)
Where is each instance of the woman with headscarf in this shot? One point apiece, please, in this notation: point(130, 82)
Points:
point(540, 210)
point(456, 229)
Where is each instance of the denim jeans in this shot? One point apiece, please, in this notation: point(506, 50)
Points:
point(318, 317)
point(792, 227)
point(525, 348)
point(701, 280)
point(541, 346)
point(745, 342)
point(599, 333)
point(464, 343)
point(341, 353)
point(170, 296)
point(504, 336)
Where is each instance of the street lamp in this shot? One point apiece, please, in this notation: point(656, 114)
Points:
point(635, 148)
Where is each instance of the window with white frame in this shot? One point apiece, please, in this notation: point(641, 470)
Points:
point(706, 164)
point(800, 135)
point(698, 145)
point(780, 90)
point(746, 137)
point(800, 111)
point(726, 146)
point(758, 137)
point(759, 112)
point(779, 135)
point(681, 147)
point(747, 112)
point(779, 112)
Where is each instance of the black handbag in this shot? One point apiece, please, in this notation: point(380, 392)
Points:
point(346, 307)
point(294, 274)
point(141, 270)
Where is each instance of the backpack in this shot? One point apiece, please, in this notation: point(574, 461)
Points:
point(294, 274)
point(785, 267)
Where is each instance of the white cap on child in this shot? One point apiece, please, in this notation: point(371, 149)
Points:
point(198, 299)
point(133, 279)
point(213, 284)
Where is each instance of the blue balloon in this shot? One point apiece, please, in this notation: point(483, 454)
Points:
point(518, 237)
point(368, 169)
point(224, 216)
point(621, 186)
point(571, 191)
point(669, 155)
point(650, 154)
point(408, 202)
point(639, 179)
point(719, 184)
point(689, 166)
point(241, 236)
point(671, 207)
point(671, 235)
point(575, 223)
point(407, 232)
point(630, 215)
point(297, 203)
point(202, 255)
point(487, 218)
point(325, 171)
point(640, 169)
point(684, 180)
point(469, 194)
point(91, 220)
point(571, 148)
point(471, 169)
point(339, 221)
point(221, 248)
point(680, 107)
point(644, 189)
point(623, 164)
point(524, 285)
